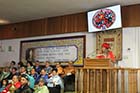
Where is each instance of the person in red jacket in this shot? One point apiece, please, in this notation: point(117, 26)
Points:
point(106, 52)
point(15, 84)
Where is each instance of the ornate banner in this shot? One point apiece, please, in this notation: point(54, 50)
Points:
point(53, 50)
point(112, 37)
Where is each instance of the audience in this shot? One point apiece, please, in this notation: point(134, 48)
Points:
point(29, 79)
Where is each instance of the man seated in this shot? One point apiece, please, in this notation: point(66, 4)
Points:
point(24, 88)
point(69, 77)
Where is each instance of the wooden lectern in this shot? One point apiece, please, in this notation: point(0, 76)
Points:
point(88, 62)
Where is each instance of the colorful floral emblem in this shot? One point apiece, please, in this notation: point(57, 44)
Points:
point(103, 19)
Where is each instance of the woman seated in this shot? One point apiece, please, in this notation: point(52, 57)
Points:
point(4, 84)
point(41, 87)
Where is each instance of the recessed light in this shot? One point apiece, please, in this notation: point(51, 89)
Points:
point(2, 22)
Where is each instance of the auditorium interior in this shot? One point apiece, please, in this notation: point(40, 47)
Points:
point(82, 46)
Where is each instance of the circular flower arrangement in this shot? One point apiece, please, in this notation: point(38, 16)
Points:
point(103, 19)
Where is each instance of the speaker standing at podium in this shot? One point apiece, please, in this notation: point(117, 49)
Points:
point(105, 52)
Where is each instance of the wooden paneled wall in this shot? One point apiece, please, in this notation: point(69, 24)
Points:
point(131, 16)
point(23, 29)
point(67, 24)
point(63, 24)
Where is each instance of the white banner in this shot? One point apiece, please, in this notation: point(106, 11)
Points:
point(56, 53)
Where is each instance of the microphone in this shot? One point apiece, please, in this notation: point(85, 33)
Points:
point(92, 54)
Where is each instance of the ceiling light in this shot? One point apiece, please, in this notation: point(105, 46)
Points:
point(2, 22)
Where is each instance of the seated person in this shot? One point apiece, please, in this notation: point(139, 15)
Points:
point(48, 68)
point(29, 67)
point(41, 87)
point(60, 70)
point(24, 88)
point(69, 70)
point(12, 73)
point(12, 64)
point(34, 74)
point(69, 77)
point(55, 83)
point(15, 84)
point(42, 75)
point(4, 84)
point(5, 73)
point(37, 67)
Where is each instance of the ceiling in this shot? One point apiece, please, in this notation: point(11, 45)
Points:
point(14, 11)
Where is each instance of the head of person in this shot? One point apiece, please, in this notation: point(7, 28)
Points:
point(6, 69)
point(4, 82)
point(24, 79)
point(20, 64)
point(14, 70)
point(41, 82)
point(12, 63)
point(33, 71)
point(37, 63)
point(23, 69)
point(105, 46)
point(29, 63)
point(70, 64)
point(43, 72)
point(47, 64)
point(54, 71)
point(58, 65)
point(15, 79)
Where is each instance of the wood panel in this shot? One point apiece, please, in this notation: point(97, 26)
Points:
point(97, 63)
point(107, 80)
point(63, 24)
point(6, 32)
point(67, 23)
point(24, 29)
point(37, 27)
point(131, 16)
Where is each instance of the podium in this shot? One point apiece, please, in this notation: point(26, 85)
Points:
point(88, 62)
